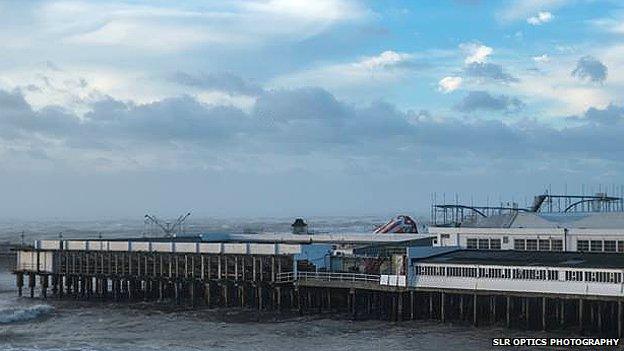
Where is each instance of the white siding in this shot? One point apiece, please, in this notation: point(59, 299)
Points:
point(162, 247)
point(140, 246)
point(27, 261)
point(118, 246)
point(46, 262)
point(262, 249)
point(240, 249)
point(98, 245)
point(186, 247)
point(49, 244)
point(213, 248)
point(288, 249)
point(76, 245)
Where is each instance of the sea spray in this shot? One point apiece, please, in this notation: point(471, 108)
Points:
point(19, 315)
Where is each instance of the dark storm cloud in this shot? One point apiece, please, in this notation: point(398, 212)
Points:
point(490, 71)
point(482, 100)
point(312, 121)
point(610, 115)
point(591, 69)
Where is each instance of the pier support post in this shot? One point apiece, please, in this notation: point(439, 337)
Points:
point(508, 312)
point(329, 301)
point(19, 281)
point(192, 291)
point(461, 307)
point(619, 318)
point(31, 284)
point(400, 306)
point(61, 286)
point(442, 311)
point(562, 307)
point(353, 303)
point(241, 294)
point(44, 286)
point(430, 305)
point(226, 298)
point(207, 294)
point(580, 315)
point(494, 308)
point(412, 305)
point(544, 320)
point(525, 310)
point(475, 310)
point(55, 284)
point(599, 309)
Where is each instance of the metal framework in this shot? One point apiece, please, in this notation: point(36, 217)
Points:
point(169, 229)
point(455, 214)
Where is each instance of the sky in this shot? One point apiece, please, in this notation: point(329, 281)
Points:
point(112, 109)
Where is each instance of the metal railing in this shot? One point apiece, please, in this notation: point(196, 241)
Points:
point(328, 276)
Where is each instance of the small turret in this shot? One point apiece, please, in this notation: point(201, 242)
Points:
point(299, 226)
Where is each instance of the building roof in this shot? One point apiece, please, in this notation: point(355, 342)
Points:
point(528, 258)
point(586, 220)
point(339, 238)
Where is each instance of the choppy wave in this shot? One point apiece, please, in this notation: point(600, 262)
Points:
point(24, 314)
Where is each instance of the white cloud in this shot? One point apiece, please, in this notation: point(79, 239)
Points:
point(475, 52)
point(219, 98)
point(149, 36)
point(541, 18)
point(449, 84)
point(558, 92)
point(541, 58)
point(388, 66)
point(385, 59)
point(165, 28)
point(522, 9)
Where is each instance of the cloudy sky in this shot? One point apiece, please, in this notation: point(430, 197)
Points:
point(292, 107)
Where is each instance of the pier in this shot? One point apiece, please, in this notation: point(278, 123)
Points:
point(568, 291)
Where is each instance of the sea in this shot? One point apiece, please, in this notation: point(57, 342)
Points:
point(36, 324)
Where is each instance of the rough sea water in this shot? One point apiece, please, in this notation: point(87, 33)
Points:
point(34, 324)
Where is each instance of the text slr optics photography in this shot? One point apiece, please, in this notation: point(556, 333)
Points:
point(307, 175)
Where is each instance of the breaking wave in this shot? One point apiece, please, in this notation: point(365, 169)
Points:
point(19, 315)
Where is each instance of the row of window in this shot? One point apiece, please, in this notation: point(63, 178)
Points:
point(483, 244)
point(518, 273)
point(519, 244)
point(600, 245)
point(547, 245)
point(538, 244)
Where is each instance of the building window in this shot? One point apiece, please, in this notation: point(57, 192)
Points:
point(505, 240)
point(620, 245)
point(495, 244)
point(531, 244)
point(484, 244)
point(544, 245)
point(609, 246)
point(445, 236)
point(519, 244)
point(582, 245)
point(596, 245)
point(556, 245)
point(471, 243)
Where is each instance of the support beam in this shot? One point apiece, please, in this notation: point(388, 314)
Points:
point(508, 312)
point(475, 310)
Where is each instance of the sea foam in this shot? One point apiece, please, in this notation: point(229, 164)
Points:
point(19, 315)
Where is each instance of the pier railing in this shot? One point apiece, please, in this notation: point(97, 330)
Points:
point(327, 276)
